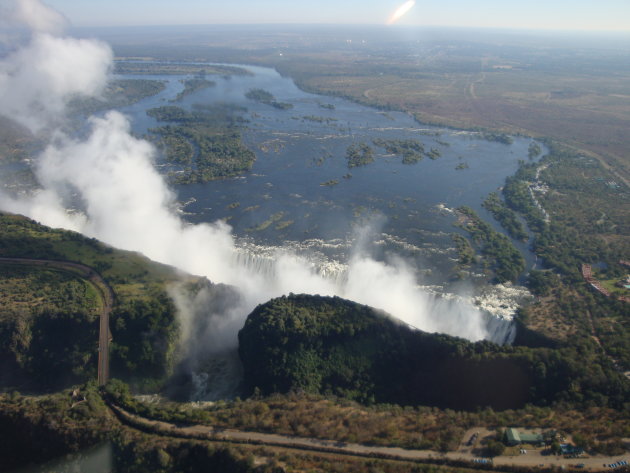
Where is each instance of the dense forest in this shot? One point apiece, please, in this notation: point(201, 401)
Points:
point(506, 217)
point(330, 345)
point(203, 144)
point(500, 255)
point(582, 222)
point(48, 317)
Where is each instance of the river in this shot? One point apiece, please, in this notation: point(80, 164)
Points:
point(282, 200)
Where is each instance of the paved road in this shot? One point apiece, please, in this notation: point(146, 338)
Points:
point(107, 297)
point(529, 460)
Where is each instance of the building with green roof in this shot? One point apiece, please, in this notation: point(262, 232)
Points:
point(514, 437)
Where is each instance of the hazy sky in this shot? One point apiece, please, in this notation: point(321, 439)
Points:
point(530, 14)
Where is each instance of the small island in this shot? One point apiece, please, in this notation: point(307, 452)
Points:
point(193, 85)
point(262, 96)
point(412, 151)
point(359, 155)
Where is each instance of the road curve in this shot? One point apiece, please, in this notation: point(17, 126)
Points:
point(206, 432)
point(107, 296)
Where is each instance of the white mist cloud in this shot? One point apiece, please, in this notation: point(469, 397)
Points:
point(37, 80)
point(109, 175)
point(127, 204)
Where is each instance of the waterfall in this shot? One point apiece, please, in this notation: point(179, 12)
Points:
point(210, 368)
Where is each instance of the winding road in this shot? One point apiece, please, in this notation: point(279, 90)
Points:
point(107, 298)
point(532, 459)
point(205, 432)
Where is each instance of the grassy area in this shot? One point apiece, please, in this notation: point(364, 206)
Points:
point(612, 286)
point(32, 289)
point(39, 303)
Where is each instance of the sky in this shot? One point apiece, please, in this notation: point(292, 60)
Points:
point(595, 15)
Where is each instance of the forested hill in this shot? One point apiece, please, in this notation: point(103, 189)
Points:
point(330, 345)
point(49, 316)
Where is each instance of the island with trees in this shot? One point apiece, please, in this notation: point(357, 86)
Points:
point(501, 257)
point(359, 155)
point(203, 144)
point(193, 85)
point(506, 217)
point(263, 96)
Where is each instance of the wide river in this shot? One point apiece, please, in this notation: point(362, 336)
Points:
point(282, 200)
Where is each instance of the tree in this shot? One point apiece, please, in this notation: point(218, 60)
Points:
point(494, 448)
point(581, 441)
point(555, 447)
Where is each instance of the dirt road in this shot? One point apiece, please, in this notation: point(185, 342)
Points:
point(107, 298)
point(530, 460)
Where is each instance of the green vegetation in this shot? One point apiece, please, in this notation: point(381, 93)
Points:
point(534, 150)
point(333, 418)
point(461, 166)
point(316, 119)
point(284, 224)
point(434, 153)
point(152, 67)
point(412, 151)
point(359, 155)
point(48, 327)
point(119, 93)
point(518, 197)
point(494, 448)
point(193, 85)
point(531, 88)
point(37, 429)
point(329, 345)
point(268, 223)
point(262, 96)
point(497, 137)
point(67, 425)
point(465, 252)
point(18, 143)
point(206, 142)
point(15, 141)
point(502, 257)
point(587, 224)
point(505, 216)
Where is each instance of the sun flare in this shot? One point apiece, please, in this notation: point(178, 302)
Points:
point(401, 11)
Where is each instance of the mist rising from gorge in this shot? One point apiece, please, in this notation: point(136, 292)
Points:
point(122, 200)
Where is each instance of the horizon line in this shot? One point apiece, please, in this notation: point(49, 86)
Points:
point(522, 29)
